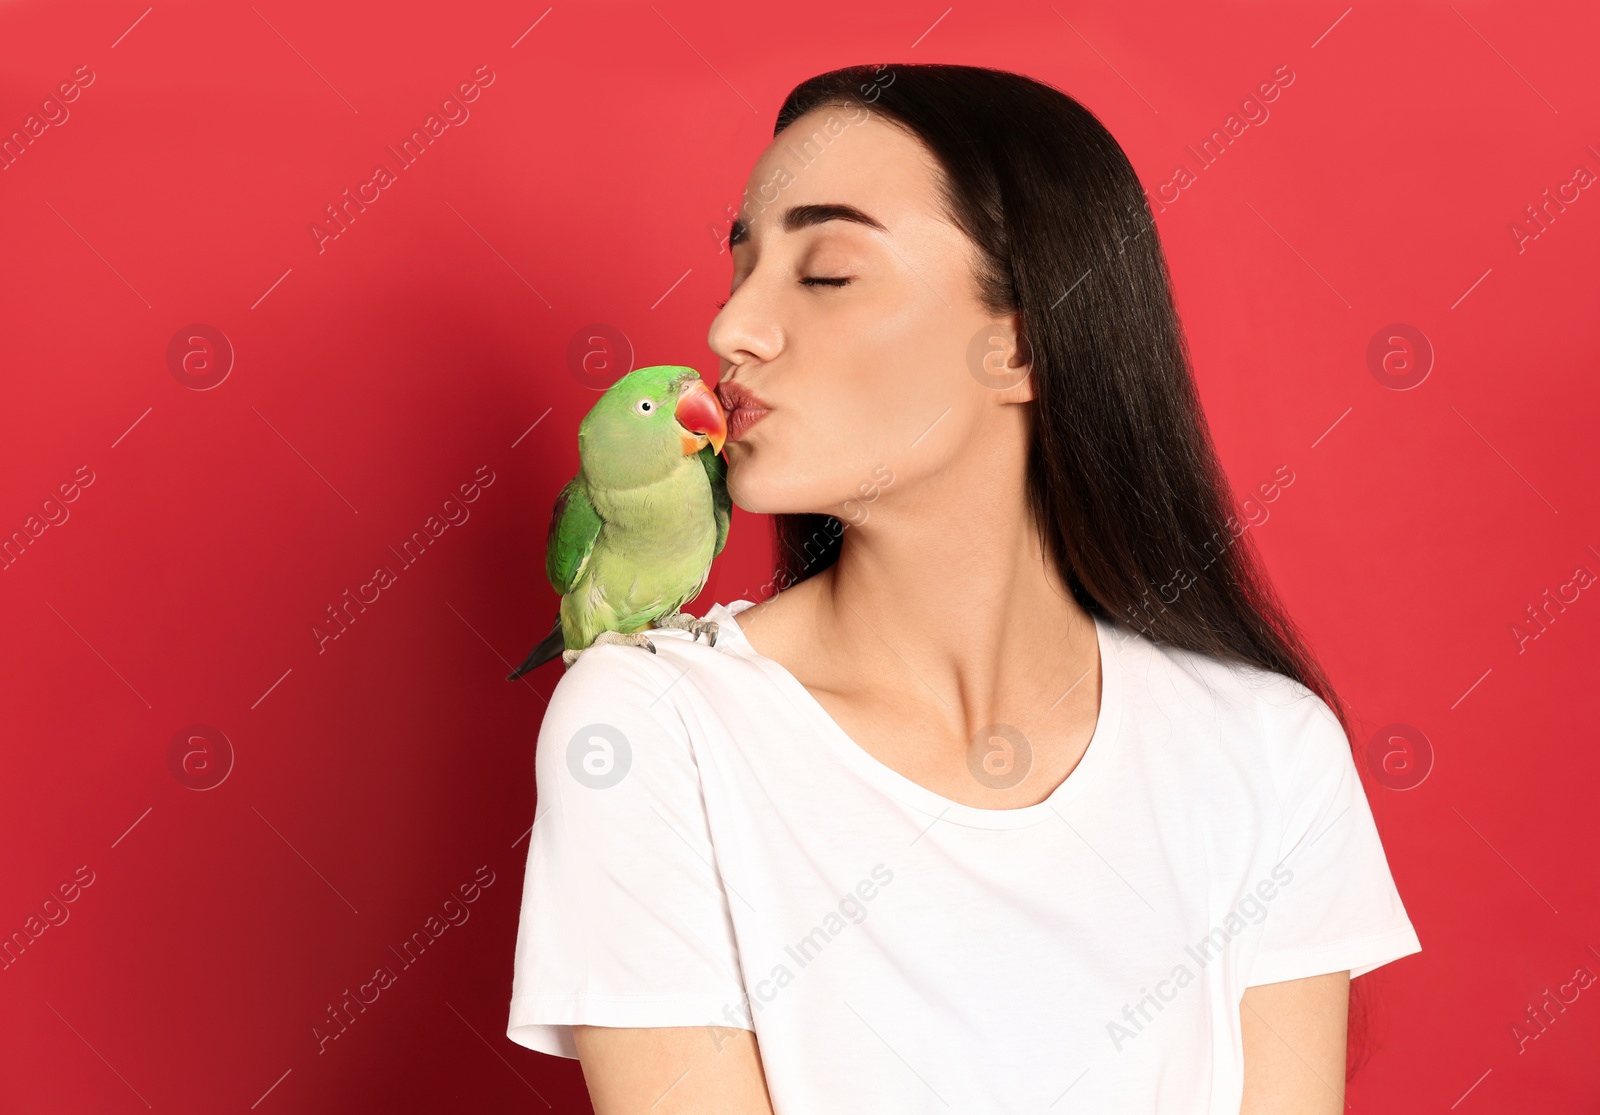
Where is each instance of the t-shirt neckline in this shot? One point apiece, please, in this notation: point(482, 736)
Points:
point(1090, 768)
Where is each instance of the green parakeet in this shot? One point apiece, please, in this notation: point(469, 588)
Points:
point(632, 536)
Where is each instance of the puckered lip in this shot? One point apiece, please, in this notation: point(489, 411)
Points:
point(734, 396)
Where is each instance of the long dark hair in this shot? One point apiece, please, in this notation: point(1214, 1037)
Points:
point(1124, 482)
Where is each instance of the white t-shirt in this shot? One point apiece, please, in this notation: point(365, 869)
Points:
point(710, 848)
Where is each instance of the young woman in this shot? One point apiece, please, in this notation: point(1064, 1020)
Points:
point(1021, 794)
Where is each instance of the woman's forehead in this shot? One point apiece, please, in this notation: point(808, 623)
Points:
point(870, 165)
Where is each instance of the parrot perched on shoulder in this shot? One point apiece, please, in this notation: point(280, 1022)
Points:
point(632, 536)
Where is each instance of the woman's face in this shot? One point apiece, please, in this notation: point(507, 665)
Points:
point(855, 338)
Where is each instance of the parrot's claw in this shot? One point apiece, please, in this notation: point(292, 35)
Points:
point(636, 639)
point(683, 621)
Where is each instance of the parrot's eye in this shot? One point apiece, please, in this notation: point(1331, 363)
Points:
point(644, 406)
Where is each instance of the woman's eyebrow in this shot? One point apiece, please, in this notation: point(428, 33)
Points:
point(797, 217)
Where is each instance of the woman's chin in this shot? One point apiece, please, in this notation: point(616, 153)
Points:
point(763, 485)
point(754, 505)
point(745, 495)
point(755, 493)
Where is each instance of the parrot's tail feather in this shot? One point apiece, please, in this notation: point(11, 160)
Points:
point(550, 647)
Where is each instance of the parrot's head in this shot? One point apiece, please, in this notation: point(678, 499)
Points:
point(646, 424)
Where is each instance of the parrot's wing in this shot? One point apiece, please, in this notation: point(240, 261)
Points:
point(721, 502)
point(574, 525)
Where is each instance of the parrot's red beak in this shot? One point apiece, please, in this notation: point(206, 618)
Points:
point(701, 415)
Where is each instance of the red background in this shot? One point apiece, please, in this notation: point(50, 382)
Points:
point(374, 773)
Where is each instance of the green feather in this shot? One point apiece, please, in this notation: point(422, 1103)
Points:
point(632, 536)
point(574, 526)
point(722, 502)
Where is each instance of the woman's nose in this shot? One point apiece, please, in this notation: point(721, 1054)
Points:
point(743, 332)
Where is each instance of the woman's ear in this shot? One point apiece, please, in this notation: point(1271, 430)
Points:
point(999, 357)
point(1022, 363)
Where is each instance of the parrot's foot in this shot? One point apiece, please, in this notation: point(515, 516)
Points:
point(683, 621)
point(636, 639)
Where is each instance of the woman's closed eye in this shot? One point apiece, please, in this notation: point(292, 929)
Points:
point(811, 280)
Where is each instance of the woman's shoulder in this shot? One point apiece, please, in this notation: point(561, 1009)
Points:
point(618, 674)
point(613, 720)
point(1236, 682)
point(1258, 712)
